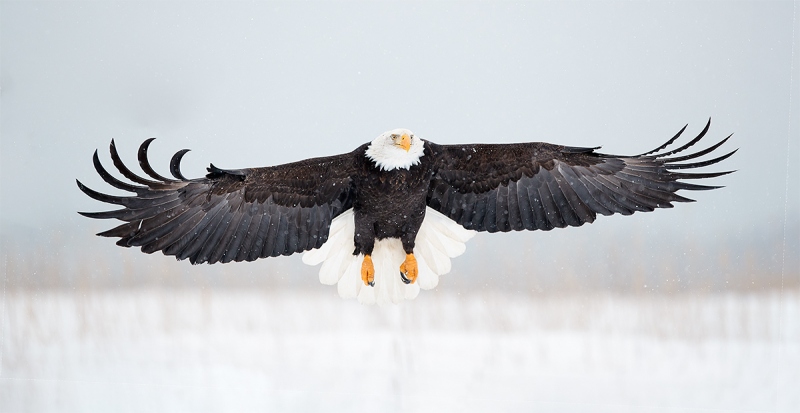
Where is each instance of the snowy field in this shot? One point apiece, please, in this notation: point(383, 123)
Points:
point(198, 350)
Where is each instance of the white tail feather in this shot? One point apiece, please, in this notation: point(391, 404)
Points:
point(438, 240)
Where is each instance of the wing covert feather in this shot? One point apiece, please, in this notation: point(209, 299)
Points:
point(529, 186)
point(228, 215)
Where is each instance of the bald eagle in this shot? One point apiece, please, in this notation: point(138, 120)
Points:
point(385, 219)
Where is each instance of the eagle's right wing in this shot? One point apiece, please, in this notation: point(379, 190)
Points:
point(530, 186)
point(229, 215)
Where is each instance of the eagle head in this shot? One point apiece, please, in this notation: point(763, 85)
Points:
point(394, 149)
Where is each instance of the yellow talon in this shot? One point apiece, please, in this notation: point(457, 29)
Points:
point(368, 271)
point(408, 269)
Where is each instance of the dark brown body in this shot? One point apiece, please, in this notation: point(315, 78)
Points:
point(390, 204)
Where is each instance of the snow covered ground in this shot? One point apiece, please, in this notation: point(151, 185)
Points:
point(204, 350)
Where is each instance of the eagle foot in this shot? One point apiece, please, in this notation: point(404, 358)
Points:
point(368, 271)
point(409, 270)
point(403, 277)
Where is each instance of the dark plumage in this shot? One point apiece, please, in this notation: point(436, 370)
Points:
point(245, 214)
point(532, 186)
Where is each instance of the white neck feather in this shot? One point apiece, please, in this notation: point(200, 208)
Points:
point(388, 156)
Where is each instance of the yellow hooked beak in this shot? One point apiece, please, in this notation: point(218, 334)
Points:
point(405, 142)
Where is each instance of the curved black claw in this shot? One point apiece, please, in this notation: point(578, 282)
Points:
point(404, 278)
point(371, 283)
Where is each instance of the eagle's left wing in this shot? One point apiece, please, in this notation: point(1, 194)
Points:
point(530, 186)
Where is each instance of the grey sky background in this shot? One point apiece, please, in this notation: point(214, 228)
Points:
point(261, 83)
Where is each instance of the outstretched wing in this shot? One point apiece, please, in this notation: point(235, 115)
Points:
point(531, 186)
point(229, 215)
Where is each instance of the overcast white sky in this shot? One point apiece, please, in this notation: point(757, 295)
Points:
point(260, 83)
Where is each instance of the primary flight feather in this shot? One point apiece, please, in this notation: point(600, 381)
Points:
point(385, 219)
